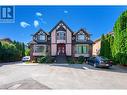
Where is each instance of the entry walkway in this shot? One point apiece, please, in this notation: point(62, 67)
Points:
point(61, 59)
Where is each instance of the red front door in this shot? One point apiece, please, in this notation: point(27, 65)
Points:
point(61, 49)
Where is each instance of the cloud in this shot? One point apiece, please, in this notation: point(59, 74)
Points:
point(40, 18)
point(39, 14)
point(24, 24)
point(36, 23)
point(65, 11)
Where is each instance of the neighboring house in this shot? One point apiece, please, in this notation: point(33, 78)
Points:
point(97, 44)
point(61, 40)
point(6, 40)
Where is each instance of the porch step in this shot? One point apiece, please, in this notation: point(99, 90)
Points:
point(61, 59)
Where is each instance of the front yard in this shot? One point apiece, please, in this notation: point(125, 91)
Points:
point(61, 76)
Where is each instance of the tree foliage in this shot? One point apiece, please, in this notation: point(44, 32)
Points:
point(115, 46)
point(27, 52)
point(106, 46)
point(11, 51)
point(120, 39)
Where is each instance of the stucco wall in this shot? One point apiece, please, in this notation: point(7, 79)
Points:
point(96, 47)
point(53, 36)
point(69, 36)
point(53, 49)
point(68, 49)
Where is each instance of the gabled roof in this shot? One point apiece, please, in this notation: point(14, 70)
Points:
point(31, 42)
point(6, 39)
point(84, 31)
point(40, 31)
point(58, 24)
point(97, 40)
point(109, 33)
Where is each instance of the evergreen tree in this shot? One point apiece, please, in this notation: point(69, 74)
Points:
point(23, 49)
point(102, 49)
point(27, 52)
point(106, 46)
point(11, 51)
point(120, 39)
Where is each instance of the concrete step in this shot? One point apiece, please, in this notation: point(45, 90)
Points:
point(61, 59)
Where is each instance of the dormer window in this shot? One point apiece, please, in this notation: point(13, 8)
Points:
point(81, 37)
point(41, 37)
point(60, 35)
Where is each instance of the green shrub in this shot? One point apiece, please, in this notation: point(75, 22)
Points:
point(71, 60)
point(80, 59)
point(41, 59)
point(50, 59)
point(121, 58)
point(46, 59)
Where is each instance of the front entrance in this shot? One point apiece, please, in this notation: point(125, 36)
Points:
point(61, 49)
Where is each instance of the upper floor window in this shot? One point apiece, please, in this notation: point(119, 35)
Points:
point(41, 37)
point(61, 35)
point(81, 37)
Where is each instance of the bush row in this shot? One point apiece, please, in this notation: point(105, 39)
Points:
point(46, 59)
point(79, 60)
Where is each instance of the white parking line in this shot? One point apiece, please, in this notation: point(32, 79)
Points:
point(85, 68)
point(15, 86)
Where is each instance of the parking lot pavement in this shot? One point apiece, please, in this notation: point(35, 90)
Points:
point(24, 84)
point(61, 76)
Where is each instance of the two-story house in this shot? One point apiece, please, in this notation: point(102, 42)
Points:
point(61, 40)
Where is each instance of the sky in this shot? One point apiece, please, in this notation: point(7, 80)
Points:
point(97, 20)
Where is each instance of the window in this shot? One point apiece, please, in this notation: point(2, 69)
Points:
point(41, 37)
point(82, 49)
point(61, 35)
point(81, 37)
point(38, 49)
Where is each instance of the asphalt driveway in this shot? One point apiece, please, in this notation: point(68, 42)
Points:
point(61, 76)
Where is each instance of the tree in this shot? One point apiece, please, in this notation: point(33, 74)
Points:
point(106, 45)
point(11, 51)
point(120, 39)
point(27, 52)
point(23, 49)
point(115, 47)
point(102, 49)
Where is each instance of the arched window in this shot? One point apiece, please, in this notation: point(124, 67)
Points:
point(60, 35)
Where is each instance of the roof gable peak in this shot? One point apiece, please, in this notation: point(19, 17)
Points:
point(40, 31)
point(61, 23)
point(82, 31)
